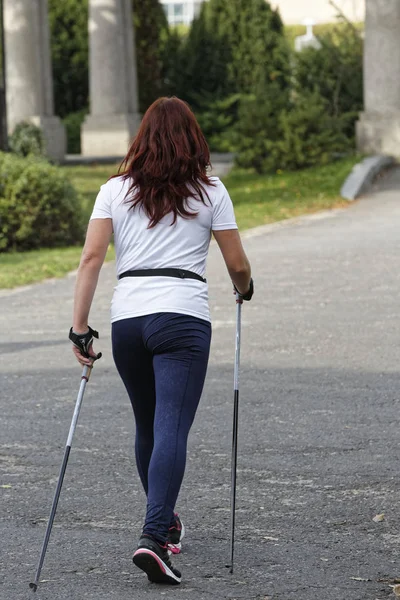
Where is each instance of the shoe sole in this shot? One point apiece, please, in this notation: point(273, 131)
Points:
point(156, 570)
point(176, 548)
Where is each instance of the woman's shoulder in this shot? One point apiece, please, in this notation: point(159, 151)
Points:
point(216, 187)
point(216, 190)
point(114, 186)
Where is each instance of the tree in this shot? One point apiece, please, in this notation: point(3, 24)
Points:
point(69, 48)
point(151, 31)
point(253, 35)
point(203, 64)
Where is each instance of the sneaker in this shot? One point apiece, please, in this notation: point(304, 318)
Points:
point(154, 560)
point(176, 535)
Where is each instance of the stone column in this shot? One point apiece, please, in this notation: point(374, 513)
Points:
point(378, 130)
point(28, 71)
point(113, 118)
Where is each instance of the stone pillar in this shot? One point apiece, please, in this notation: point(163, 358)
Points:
point(28, 71)
point(378, 130)
point(113, 118)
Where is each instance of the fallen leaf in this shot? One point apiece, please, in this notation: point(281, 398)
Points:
point(6, 486)
point(396, 590)
point(379, 518)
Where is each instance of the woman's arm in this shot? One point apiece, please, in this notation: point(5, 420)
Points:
point(98, 238)
point(235, 258)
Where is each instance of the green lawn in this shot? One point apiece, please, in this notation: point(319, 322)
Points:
point(22, 268)
point(261, 199)
point(258, 199)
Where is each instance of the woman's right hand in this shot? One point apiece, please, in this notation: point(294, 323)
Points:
point(83, 346)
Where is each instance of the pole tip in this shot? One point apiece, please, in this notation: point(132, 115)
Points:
point(33, 586)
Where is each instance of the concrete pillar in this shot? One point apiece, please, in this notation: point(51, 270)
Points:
point(114, 117)
point(28, 71)
point(378, 130)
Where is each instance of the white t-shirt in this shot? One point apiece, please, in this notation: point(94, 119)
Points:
point(183, 245)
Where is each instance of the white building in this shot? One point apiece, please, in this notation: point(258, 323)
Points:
point(181, 12)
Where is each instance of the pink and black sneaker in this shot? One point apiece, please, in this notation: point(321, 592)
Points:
point(176, 535)
point(154, 560)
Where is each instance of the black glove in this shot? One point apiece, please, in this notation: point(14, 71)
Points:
point(83, 341)
point(249, 294)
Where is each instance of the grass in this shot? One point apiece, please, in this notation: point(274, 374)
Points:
point(258, 199)
point(261, 199)
point(87, 180)
point(22, 268)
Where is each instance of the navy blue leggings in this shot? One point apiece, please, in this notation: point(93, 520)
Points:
point(162, 359)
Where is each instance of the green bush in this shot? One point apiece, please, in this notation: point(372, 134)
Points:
point(316, 121)
point(217, 120)
point(38, 206)
point(301, 136)
point(72, 123)
point(334, 72)
point(27, 139)
point(319, 30)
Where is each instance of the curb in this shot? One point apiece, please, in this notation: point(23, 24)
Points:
point(363, 175)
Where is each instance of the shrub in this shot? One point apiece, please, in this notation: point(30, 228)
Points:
point(335, 72)
point(39, 207)
point(217, 120)
point(316, 122)
point(27, 139)
point(272, 138)
point(72, 123)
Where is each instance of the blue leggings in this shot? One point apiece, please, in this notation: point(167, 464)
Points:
point(162, 359)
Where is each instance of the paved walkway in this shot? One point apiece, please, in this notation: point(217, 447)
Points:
point(319, 431)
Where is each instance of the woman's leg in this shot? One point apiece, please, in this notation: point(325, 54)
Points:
point(135, 366)
point(180, 345)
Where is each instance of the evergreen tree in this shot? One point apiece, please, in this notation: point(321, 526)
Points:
point(253, 35)
point(204, 64)
point(151, 32)
point(69, 49)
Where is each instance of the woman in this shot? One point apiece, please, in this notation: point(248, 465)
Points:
point(162, 209)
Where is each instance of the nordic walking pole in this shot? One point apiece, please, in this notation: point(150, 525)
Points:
point(84, 379)
point(239, 302)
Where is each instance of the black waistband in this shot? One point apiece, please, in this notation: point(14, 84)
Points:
point(179, 273)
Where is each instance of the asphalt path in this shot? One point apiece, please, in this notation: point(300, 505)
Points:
point(319, 429)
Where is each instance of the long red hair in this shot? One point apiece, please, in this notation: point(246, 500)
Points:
point(167, 162)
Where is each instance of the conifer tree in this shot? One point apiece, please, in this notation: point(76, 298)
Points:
point(254, 37)
point(151, 32)
point(69, 49)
